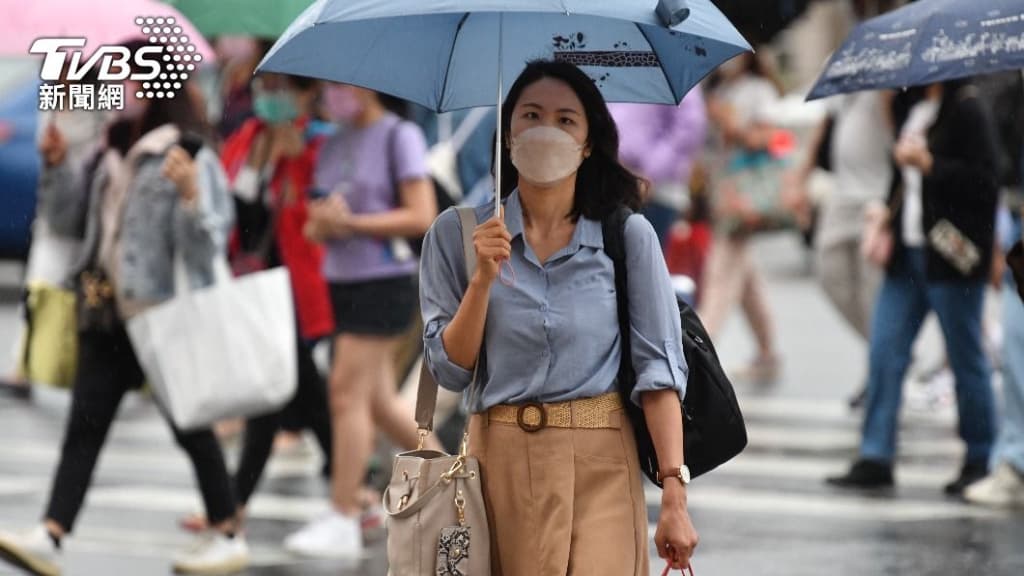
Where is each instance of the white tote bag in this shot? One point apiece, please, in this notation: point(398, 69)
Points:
point(224, 351)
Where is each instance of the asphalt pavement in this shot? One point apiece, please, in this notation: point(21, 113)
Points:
point(767, 512)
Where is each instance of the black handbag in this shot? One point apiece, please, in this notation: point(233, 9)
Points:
point(713, 428)
point(95, 306)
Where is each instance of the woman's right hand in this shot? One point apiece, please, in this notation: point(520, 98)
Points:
point(53, 146)
point(493, 245)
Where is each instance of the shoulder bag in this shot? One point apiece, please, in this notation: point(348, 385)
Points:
point(436, 519)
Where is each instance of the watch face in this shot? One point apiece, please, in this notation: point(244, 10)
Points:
point(685, 473)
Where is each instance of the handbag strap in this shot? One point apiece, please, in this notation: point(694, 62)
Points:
point(426, 397)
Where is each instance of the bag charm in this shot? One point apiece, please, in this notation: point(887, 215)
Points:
point(453, 546)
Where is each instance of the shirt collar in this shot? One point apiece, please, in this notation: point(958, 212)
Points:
point(588, 232)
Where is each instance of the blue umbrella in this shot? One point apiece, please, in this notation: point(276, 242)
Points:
point(925, 42)
point(454, 54)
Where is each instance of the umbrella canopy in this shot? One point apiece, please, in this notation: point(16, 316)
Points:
point(925, 42)
point(98, 21)
point(259, 18)
point(452, 54)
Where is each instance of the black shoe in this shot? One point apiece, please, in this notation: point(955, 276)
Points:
point(969, 474)
point(18, 390)
point(865, 474)
point(856, 402)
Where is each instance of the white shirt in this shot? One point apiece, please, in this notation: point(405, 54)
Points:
point(921, 118)
point(861, 164)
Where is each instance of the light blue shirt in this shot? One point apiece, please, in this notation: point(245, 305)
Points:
point(553, 336)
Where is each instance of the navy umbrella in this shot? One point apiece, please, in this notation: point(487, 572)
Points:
point(925, 42)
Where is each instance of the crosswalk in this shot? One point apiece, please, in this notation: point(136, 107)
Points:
point(145, 483)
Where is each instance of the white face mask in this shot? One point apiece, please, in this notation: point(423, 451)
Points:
point(545, 156)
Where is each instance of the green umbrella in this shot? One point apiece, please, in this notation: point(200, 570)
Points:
point(260, 18)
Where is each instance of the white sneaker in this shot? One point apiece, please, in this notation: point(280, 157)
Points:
point(32, 550)
point(331, 536)
point(1002, 488)
point(214, 554)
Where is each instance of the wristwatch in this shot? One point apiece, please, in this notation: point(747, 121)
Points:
point(681, 472)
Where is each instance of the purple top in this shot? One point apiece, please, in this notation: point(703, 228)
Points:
point(661, 142)
point(361, 163)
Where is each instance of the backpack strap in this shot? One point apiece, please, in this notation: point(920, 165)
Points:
point(613, 229)
point(393, 161)
point(426, 397)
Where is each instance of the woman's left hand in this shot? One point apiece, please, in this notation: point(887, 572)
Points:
point(913, 151)
point(180, 169)
point(676, 538)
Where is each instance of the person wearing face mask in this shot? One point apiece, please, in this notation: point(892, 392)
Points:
point(136, 203)
point(269, 163)
point(376, 193)
point(565, 489)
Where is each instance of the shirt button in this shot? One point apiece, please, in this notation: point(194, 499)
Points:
point(544, 308)
point(544, 353)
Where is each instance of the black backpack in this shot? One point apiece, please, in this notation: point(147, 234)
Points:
point(713, 426)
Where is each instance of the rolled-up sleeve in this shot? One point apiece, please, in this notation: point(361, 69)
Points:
point(656, 334)
point(442, 282)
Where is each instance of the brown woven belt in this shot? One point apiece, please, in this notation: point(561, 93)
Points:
point(593, 412)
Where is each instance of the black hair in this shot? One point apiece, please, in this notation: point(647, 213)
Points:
point(602, 182)
point(301, 83)
point(180, 111)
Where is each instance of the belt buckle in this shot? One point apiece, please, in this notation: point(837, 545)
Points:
point(527, 427)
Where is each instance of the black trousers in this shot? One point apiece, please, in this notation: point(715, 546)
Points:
point(309, 408)
point(107, 368)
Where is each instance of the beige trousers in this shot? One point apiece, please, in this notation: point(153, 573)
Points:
point(562, 501)
point(850, 282)
point(732, 278)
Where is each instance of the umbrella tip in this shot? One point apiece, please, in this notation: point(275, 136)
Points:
point(672, 12)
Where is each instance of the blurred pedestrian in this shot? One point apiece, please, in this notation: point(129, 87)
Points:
point(138, 203)
point(1004, 487)
point(858, 138)
point(51, 255)
point(739, 106)
point(562, 491)
point(943, 201)
point(269, 162)
point(661, 143)
point(376, 194)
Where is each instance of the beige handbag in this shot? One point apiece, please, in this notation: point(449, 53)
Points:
point(436, 520)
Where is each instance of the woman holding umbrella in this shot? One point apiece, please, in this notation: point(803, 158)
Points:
point(566, 496)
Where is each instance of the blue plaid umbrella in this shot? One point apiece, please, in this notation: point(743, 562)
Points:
point(926, 42)
point(454, 54)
